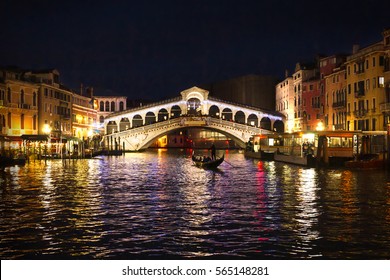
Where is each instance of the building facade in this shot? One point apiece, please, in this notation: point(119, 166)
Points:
point(108, 105)
point(285, 101)
point(303, 72)
point(18, 107)
point(366, 87)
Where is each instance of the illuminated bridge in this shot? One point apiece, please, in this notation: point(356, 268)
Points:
point(138, 128)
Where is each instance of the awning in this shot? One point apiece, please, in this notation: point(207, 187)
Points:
point(35, 137)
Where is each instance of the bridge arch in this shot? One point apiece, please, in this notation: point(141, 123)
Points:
point(227, 114)
point(239, 117)
point(279, 126)
point(194, 106)
point(150, 118)
point(265, 123)
point(124, 124)
point(253, 120)
point(214, 111)
point(238, 140)
point(163, 115)
point(112, 127)
point(175, 111)
point(137, 121)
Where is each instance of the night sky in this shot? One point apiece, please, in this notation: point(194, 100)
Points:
point(155, 49)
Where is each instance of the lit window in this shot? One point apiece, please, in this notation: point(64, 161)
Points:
point(381, 81)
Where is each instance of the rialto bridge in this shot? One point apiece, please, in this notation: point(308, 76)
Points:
point(138, 128)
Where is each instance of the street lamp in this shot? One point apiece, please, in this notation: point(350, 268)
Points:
point(47, 130)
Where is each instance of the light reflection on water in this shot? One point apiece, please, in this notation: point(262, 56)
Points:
point(158, 205)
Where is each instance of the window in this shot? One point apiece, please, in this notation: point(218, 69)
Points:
point(9, 95)
point(101, 106)
point(374, 83)
point(22, 97)
point(373, 62)
point(381, 82)
point(112, 106)
point(35, 99)
point(373, 103)
point(121, 107)
point(381, 60)
point(22, 121)
point(367, 84)
point(107, 106)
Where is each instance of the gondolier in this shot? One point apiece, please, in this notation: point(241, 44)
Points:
point(212, 148)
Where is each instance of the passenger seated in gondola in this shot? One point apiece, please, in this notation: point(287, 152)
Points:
point(206, 159)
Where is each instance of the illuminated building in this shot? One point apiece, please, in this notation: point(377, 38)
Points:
point(55, 103)
point(303, 72)
point(285, 101)
point(84, 116)
point(367, 96)
point(333, 92)
point(18, 106)
point(108, 105)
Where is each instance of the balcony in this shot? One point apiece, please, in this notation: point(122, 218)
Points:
point(340, 104)
point(385, 107)
point(360, 113)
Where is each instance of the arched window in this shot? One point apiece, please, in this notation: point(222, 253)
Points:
point(227, 114)
point(175, 111)
point(193, 106)
point(121, 107)
point(214, 111)
point(101, 118)
point(107, 106)
point(163, 115)
point(101, 106)
point(112, 106)
point(239, 117)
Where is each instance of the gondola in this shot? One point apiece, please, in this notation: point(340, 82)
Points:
point(205, 162)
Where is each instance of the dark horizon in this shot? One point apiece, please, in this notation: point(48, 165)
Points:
point(156, 49)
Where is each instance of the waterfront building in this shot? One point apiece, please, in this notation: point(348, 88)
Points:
point(333, 92)
point(303, 72)
point(385, 105)
point(366, 86)
point(84, 117)
point(284, 92)
point(54, 104)
point(108, 105)
point(312, 105)
point(18, 107)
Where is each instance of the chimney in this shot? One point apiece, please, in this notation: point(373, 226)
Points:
point(355, 49)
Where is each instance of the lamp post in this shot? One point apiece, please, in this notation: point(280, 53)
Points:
point(47, 130)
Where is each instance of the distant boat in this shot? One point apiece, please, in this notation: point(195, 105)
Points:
point(8, 161)
point(206, 162)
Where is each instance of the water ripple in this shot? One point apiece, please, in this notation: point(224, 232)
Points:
point(158, 205)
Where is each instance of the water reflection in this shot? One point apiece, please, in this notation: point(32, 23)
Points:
point(158, 205)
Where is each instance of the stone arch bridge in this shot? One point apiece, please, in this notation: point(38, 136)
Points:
point(138, 128)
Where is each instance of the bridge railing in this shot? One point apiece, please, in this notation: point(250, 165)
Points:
point(150, 105)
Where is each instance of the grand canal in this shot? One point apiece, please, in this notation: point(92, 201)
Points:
point(157, 205)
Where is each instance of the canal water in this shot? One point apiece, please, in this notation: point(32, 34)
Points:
point(158, 205)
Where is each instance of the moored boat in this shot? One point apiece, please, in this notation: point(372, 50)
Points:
point(206, 162)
